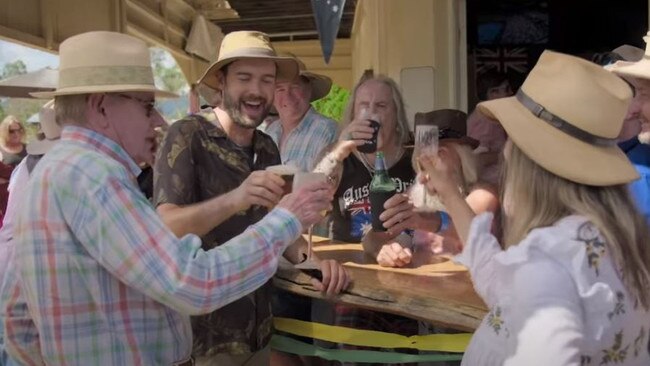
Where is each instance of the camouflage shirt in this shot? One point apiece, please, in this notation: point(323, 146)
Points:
point(197, 161)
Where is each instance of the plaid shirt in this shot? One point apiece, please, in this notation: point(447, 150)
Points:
point(306, 141)
point(100, 280)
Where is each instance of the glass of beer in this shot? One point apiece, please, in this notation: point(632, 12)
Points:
point(287, 173)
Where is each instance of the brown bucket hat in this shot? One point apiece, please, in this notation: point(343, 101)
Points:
point(452, 125)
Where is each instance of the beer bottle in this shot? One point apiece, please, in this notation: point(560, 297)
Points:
point(382, 188)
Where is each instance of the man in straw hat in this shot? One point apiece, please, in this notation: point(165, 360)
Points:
point(301, 133)
point(98, 278)
point(210, 180)
point(635, 69)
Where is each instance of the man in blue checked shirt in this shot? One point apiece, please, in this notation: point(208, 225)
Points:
point(301, 133)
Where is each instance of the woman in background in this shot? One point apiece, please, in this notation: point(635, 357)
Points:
point(12, 144)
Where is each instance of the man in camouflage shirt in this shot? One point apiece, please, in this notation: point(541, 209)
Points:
point(210, 180)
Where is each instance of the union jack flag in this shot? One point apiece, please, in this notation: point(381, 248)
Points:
point(362, 206)
point(502, 58)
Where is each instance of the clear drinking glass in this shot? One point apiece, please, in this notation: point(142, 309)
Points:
point(426, 144)
point(299, 180)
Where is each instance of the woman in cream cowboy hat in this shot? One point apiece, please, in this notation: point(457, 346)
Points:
point(569, 284)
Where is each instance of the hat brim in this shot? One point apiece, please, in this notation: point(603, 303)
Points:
point(287, 68)
point(558, 152)
point(465, 140)
point(159, 93)
point(40, 147)
point(320, 85)
point(640, 69)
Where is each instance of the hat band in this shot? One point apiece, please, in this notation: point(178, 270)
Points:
point(249, 52)
point(105, 75)
point(542, 113)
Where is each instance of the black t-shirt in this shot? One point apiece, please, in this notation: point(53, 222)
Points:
point(351, 215)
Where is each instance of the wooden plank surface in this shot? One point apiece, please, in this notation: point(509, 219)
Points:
point(432, 288)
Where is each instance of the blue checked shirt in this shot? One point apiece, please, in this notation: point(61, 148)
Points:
point(306, 141)
point(97, 278)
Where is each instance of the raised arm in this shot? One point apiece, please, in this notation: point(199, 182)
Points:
point(126, 236)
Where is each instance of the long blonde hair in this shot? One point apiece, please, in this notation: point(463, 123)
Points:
point(4, 127)
point(540, 198)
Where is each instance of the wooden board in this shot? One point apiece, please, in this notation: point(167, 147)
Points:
point(433, 288)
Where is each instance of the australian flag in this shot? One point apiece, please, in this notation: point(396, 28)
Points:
point(327, 14)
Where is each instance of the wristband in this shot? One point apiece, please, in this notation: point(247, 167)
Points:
point(327, 164)
point(444, 221)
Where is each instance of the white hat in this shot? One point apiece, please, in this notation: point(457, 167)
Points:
point(49, 128)
point(104, 62)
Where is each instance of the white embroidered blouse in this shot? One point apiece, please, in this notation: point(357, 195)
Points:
point(554, 299)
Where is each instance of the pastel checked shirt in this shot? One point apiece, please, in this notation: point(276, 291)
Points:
point(305, 142)
point(99, 280)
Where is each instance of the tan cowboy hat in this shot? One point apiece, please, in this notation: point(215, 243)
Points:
point(49, 128)
point(248, 44)
point(452, 125)
point(104, 62)
point(566, 118)
point(639, 69)
point(320, 84)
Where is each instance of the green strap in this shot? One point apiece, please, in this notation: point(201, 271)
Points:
point(288, 345)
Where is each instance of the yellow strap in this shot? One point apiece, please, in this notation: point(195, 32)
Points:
point(371, 338)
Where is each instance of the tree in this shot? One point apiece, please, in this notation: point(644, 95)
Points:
point(17, 67)
point(170, 76)
point(333, 104)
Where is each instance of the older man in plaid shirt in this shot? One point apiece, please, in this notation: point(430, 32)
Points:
point(98, 279)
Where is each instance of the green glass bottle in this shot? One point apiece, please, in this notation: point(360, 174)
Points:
point(382, 188)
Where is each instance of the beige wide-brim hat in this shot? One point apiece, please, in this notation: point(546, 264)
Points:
point(248, 45)
point(566, 118)
point(320, 85)
point(104, 62)
point(49, 128)
point(639, 69)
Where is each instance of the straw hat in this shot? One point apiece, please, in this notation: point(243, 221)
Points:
point(566, 118)
point(639, 69)
point(104, 62)
point(50, 129)
point(246, 45)
point(320, 84)
point(452, 125)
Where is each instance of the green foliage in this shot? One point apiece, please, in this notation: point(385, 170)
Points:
point(17, 67)
point(333, 104)
point(166, 72)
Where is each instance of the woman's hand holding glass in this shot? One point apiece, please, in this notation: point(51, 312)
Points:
point(438, 175)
